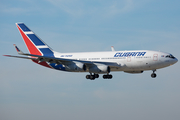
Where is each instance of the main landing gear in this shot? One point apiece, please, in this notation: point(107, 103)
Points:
point(153, 75)
point(93, 77)
point(107, 76)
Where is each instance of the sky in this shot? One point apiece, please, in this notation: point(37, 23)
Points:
point(29, 91)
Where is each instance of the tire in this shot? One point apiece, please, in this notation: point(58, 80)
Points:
point(92, 77)
point(153, 75)
point(105, 76)
point(96, 75)
point(87, 76)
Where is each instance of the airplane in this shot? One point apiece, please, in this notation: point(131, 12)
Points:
point(135, 61)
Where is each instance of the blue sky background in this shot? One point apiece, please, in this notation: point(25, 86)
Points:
point(29, 91)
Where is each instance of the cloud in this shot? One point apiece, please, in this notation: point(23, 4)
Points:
point(117, 9)
point(102, 8)
point(71, 7)
point(24, 7)
point(12, 8)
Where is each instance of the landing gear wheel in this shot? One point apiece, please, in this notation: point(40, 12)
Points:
point(153, 75)
point(110, 76)
point(87, 76)
point(92, 77)
point(96, 75)
point(107, 76)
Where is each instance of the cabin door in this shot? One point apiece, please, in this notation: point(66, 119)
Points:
point(129, 59)
point(155, 57)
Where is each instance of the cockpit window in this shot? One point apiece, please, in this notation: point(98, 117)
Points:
point(170, 56)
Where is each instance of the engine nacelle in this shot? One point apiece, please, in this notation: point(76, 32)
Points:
point(99, 68)
point(76, 66)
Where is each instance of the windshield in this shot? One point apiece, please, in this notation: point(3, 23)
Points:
point(170, 56)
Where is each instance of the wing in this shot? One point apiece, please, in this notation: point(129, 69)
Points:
point(58, 61)
point(62, 60)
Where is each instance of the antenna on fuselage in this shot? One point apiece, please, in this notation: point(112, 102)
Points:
point(112, 48)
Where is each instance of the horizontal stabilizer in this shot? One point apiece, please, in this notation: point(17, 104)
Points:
point(18, 50)
point(20, 57)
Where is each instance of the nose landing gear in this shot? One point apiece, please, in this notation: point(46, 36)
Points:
point(153, 75)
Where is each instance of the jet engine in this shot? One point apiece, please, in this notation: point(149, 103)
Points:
point(76, 66)
point(99, 68)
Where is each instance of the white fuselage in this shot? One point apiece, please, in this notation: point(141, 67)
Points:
point(139, 60)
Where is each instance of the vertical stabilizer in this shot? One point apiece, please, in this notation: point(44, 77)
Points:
point(34, 44)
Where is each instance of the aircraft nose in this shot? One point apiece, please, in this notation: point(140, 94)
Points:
point(176, 60)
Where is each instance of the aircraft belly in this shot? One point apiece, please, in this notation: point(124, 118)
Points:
point(138, 65)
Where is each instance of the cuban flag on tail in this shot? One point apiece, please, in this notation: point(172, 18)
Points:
point(33, 43)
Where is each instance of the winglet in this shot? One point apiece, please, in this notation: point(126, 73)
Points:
point(112, 48)
point(18, 50)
